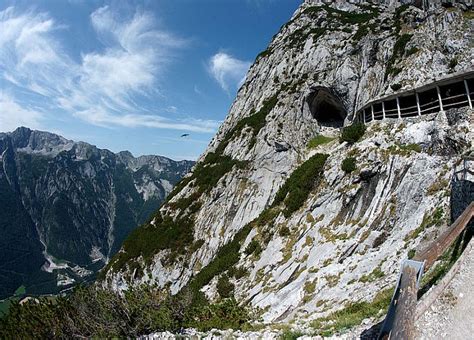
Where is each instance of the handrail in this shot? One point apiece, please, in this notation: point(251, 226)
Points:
point(436, 102)
point(404, 303)
point(431, 253)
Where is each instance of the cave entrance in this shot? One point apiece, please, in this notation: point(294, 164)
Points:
point(326, 108)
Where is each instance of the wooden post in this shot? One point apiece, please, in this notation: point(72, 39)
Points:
point(403, 325)
point(418, 103)
point(383, 109)
point(468, 94)
point(372, 110)
point(440, 99)
point(398, 109)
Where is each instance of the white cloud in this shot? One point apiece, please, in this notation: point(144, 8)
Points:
point(12, 115)
point(104, 88)
point(103, 118)
point(227, 70)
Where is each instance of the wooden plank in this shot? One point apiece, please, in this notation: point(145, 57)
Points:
point(403, 325)
point(443, 242)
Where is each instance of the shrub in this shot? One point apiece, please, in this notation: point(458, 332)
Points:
point(284, 231)
point(225, 288)
point(348, 164)
point(297, 187)
point(411, 51)
point(148, 239)
point(91, 312)
point(237, 272)
point(453, 63)
point(290, 335)
point(396, 86)
point(224, 315)
point(352, 133)
point(240, 272)
point(398, 52)
point(253, 247)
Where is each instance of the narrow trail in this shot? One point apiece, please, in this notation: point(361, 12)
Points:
point(451, 316)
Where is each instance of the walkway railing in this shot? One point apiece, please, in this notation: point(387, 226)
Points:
point(400, 320)
point(423, 100)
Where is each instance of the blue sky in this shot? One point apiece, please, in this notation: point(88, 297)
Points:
point(130, 75)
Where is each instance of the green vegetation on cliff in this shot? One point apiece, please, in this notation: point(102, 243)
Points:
point(296, 189)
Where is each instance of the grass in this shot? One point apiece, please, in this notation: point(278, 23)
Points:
point(438, 186)
point(290, 335)
point(404, 149)
point(434, 218)
point(353, 314)
point(319, 140)
point(377, 273)
point(301, 182)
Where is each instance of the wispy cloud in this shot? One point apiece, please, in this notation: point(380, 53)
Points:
point(228, 71)
point(107, 87)
point(13, 115)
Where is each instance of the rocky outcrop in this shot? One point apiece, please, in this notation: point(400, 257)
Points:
point(67, 206)
point(345, 240)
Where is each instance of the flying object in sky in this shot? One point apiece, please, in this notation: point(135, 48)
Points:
point(185, 135)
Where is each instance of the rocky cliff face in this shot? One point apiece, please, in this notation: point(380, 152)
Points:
point(305, 255)
point(66, 206)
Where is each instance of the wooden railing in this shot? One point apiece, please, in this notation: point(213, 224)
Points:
point(443, 102)
point(400, 320)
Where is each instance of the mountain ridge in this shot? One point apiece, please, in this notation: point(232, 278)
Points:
point(94, 194)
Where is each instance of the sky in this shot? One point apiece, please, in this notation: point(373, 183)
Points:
point(130, 75)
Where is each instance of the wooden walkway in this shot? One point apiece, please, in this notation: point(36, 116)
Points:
point(441, 95)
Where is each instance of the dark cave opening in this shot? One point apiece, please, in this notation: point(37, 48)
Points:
point(326, 108)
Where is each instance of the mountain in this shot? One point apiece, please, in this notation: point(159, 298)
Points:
point(67, 206)
point(303, 206)
point(271, 196)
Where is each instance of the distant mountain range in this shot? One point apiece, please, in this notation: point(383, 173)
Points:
point(67, 206)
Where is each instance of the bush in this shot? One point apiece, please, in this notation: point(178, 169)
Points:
point(284, 231)
point(91, 312)
point(396, 86)
point(149, 239)
point(224, 315)
point(453, 63)
point(297, 187)
point(240, 272)
point(225, 288)
point(348, 165)
point(253, 247)
point(352, 133)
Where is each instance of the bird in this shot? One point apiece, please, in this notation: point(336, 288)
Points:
point(185, 135)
